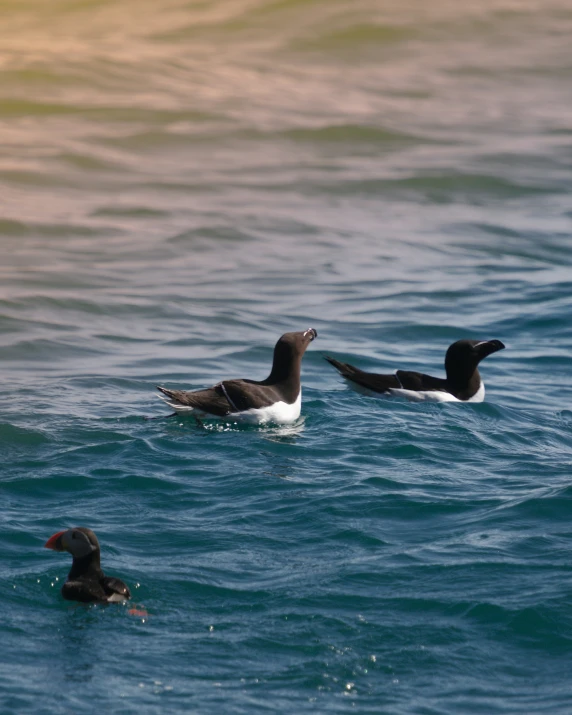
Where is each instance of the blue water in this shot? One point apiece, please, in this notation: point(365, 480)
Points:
point(181, 183)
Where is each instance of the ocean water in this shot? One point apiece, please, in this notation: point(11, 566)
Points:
point(182, 182)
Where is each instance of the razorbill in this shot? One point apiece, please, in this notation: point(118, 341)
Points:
point(277, 399)
point(462, 384)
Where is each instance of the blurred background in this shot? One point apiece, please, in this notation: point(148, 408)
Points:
point(269, 163)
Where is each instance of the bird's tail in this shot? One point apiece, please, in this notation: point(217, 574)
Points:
point(342, 367)
point(171, 398)
point(169, 393)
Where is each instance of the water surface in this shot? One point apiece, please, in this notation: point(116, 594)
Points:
point(180, 184)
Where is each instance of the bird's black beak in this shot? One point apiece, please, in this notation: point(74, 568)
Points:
point(488, 347)
point(312, 333)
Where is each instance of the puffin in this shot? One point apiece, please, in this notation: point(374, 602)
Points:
point(277, 399)
point(462, 382)
point(86, 582)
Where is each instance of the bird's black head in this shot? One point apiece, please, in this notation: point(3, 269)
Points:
point(289, 351)
point(463, 357)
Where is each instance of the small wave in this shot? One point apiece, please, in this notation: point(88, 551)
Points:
point(352, 134)
point(442, 188)
point(11, 435)
point(356, 38)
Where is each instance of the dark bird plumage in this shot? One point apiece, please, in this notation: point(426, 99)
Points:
point(86, 582)
point(238, 396)
point(462, 382)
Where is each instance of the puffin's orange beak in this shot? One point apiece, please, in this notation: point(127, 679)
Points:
point(55, 542)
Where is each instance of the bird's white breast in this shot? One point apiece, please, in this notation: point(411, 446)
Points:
point(423, 395)
point(435, 395)
point(479, 395)
point(279, 413)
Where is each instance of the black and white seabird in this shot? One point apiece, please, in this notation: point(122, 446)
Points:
point(278, 399)
point(86, 582)
point(462, 384)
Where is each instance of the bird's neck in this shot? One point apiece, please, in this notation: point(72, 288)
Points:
point(89, 564)
point(285, 371)
point(464, 382)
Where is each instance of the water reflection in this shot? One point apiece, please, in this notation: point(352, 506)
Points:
point(284, 434)
point(77, 650)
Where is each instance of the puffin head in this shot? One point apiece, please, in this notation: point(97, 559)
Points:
point(79, 542)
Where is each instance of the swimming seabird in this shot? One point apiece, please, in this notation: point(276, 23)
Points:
point(462, 384)
point(277, 399)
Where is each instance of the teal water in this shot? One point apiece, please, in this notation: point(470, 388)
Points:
point(181, 183)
